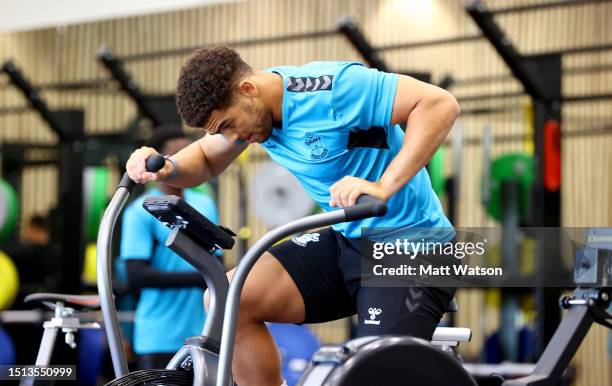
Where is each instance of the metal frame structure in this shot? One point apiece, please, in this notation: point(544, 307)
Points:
point(540, 76)
point(72, 153)
point(68, 125)
point(158, 109)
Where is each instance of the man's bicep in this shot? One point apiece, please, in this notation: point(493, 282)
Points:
point(218, 152)
point(363, 97)
point(409, 93)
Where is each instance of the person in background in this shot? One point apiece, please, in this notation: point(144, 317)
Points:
point(33, 255)
point(37, 231)
point(168, 285)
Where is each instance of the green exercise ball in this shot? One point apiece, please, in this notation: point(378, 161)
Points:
point(9, 210)
point(436, 172)
point(95, 197)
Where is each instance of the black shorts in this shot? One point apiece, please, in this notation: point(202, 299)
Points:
point(325, 266)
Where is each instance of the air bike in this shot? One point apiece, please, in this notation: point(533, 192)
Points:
point(205, 360)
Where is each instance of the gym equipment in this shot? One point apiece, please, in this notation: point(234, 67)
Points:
point(448, 189)
point(514, 167)
point(9, 209)
point(9, 281)
point(348, 364)
point(385, 360)
point(506, 191)
point(487, 149)
point(88, 276)
point(7, 353)
point(278, 196)
point(95, 188)
point(435, 167)
point(92, 350)
point(585, 307)
point(65, 307)
point(296, 345)
point(205, 360)
point(389, 360)
point(198, 349)
point(453, 183)
point(593, 263)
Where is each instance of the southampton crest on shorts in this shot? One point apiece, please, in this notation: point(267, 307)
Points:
point(317, 147)
point(305, 239)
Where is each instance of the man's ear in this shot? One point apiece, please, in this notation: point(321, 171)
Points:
point(248, 88)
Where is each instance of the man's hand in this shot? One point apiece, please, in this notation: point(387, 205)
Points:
point(345, 192)
point(136, 167)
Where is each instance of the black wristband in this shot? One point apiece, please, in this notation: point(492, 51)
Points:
point(174, 167)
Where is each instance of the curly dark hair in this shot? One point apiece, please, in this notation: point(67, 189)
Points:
point(206, 83)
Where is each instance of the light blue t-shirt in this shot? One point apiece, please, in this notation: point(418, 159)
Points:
point(336, 123)
point(164, 316)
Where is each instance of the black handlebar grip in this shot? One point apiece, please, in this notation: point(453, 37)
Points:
point(155, 163)
point(367, 206)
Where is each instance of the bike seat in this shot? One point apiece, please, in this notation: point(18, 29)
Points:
point(78, 302)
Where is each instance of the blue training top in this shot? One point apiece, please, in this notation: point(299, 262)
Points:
point(164, 316)
point(336, 123)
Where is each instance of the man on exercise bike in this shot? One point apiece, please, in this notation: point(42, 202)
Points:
point(335, 126)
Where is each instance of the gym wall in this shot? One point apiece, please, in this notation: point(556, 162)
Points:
point(67, 54)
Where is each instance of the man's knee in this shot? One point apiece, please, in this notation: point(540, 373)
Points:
point(256, 291)
point(251, 291)
point(206, 300)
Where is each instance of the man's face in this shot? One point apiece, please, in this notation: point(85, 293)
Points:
point(247, 120)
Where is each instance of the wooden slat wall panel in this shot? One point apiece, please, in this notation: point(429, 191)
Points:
point(68, 54)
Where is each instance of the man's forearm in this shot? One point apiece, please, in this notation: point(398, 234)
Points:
point(191, 167)
point(428, 126)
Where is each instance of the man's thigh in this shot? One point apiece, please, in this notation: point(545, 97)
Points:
point(270, 294)
point(311, 260)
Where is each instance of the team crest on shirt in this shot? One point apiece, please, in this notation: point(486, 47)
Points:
point(305, 239)
point(317, 147)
